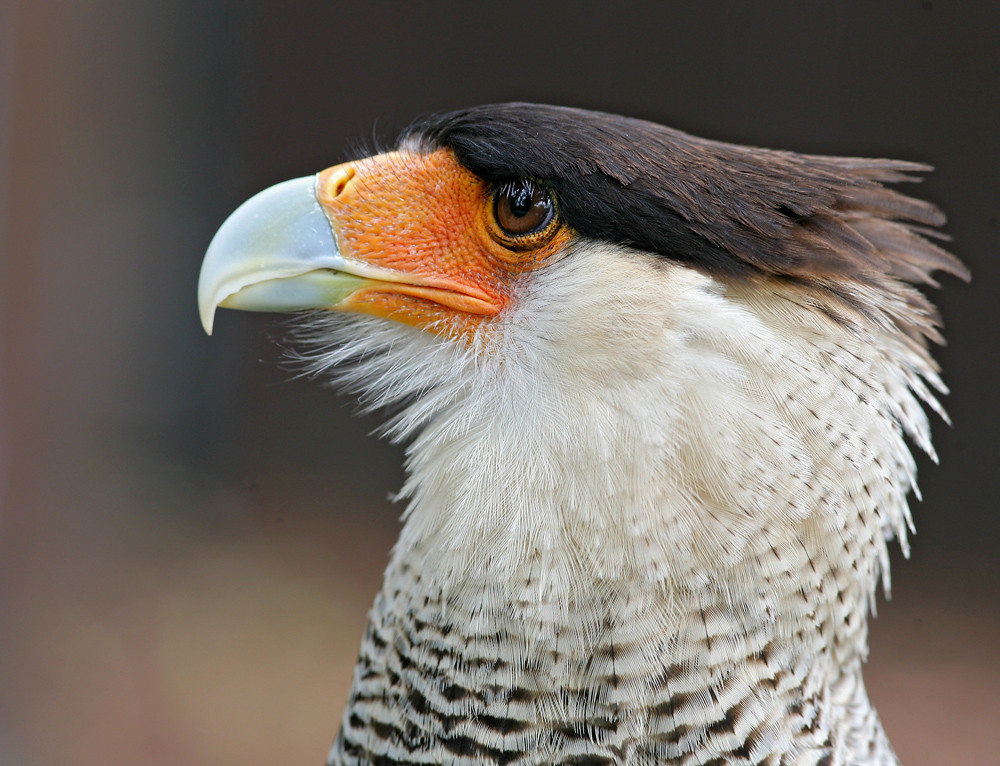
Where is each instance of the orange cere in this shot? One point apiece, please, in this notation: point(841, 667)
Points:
point(428, 220)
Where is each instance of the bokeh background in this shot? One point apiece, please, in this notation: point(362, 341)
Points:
point(190, 535)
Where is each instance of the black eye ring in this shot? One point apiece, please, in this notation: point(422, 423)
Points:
point(523, 207)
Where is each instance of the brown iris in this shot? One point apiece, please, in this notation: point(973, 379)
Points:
point(524, 212)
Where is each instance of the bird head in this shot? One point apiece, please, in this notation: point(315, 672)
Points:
point(440, 233)
point(592, 312)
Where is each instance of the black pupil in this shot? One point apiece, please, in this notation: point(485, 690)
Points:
point(523, 198)
point(523, 207)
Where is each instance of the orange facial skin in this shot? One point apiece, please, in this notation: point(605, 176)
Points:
point(429, 226)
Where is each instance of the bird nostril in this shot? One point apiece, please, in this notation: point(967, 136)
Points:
point(339, 180)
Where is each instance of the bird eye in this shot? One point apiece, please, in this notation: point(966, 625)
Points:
point(523, 207)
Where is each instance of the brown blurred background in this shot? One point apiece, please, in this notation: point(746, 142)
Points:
point(189, 535)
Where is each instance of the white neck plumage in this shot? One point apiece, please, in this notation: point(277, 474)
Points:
point(680, 496)
point(667, 444)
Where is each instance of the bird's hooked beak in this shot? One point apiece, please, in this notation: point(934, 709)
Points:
point(276, 252)
point(401, 236)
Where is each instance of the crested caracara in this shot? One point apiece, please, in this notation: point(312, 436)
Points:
point(657, 393)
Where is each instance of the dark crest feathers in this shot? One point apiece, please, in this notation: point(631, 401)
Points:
point(727, 209)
